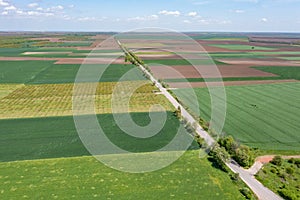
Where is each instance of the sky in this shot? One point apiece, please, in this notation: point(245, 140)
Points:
point(127, 15)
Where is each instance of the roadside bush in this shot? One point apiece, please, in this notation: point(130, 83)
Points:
point(189, 128)
point(287, 194)
point(243, 156)
point(229, 143)
point(290, 170)
point(241, 153)
point(277, 160)
point(291, 160)
point(297, 162)
point(200, 141)
point(246, 192)
point(220, 156)
point(235, 177)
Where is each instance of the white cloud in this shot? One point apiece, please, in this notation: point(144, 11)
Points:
point(71, 6)
point(33, 5)
point(10, 8)
point(249, 1)
point(67, 17)
point(174, 13)
point(20, 12)
point(264, 20)
point(54, 8)
point(187, 21)
point(39, 9)
point(239, 11)
point(59, 7)
point(144, 18)
point(4, 13)
point(201, 2)
point(192, 14)
point(3, 3)
point(36, 13)
point(90, 19)
point(153, 17)
point(214, 21)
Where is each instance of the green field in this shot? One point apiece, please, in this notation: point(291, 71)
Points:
point(53, 137)
point(240, 47)
point(212, 36)
point(46, 72)
point(291, 58)
point(86, 178)
point(21, 71)
point(283, 72)
point(263, 116)
point(224, 79)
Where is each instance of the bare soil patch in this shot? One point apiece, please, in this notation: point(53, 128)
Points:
point(188, 71)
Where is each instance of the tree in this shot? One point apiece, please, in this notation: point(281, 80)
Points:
point(244, 156)
point(229, 144)
point(201, 142)
point(178, 112)
point(277, 160)
point(220, 156)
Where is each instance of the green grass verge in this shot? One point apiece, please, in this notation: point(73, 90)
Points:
point(86, 178)
point(282, 179)
point(53, 137)
point(263, 116)
point(283, 72)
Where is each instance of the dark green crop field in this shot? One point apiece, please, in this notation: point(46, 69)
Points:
point(283, 72)
point(46, 72)
point(21, 71)
point(53, 137)
point(263, 116)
